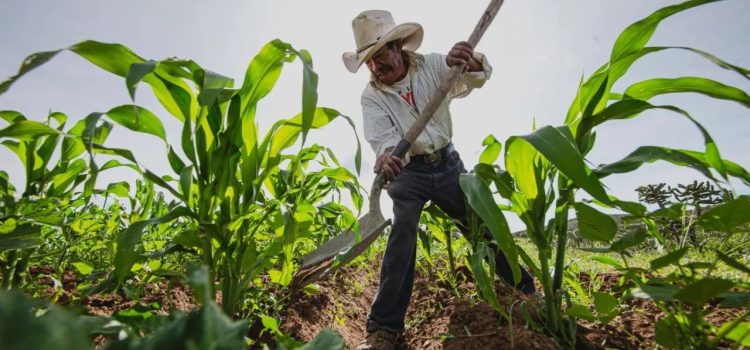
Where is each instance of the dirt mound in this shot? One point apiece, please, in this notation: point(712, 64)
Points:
point(439, 317)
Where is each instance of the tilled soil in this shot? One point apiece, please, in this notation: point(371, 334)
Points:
point(633, 327)
point(439, 317)
point(167, 295)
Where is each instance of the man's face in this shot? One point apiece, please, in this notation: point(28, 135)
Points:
point(387, 64)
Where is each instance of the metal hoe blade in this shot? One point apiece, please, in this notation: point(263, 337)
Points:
point(344, 248)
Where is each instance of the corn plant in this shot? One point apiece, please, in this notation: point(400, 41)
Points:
point(49, 186)
point(544, 170)
point(250, 201)
point(436, 230)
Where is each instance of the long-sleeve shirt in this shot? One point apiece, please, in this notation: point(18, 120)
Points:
point(387, 116)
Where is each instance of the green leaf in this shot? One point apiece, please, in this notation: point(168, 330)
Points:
point(726, 217)
point(136, 73)
point(270, 323)
point(22, 237)
point(114, 58)
point(733, 263)
point(61, 183)
point(309, 92)
point(605, 303)
point(138, 119)
point(212, 86)
point(480, 199)
point(655, 292)
point(735, 299)
point(8, 226)
point(629, 108)
point(646, 89)
point(664, 330)
point(188, 238)
point(631, 239)
point(522, 160)
point(27, 130)
point(673, 212)
point(175, 161)
point(606, 306)
point(669, 259)
point(199, 279)
point(11, 116)
point(30, 324)
point(186, 185)
point(120, 189)
point(650, 154)
point(491, 150)
point(288, 130)
point(636, 35)
point(117, 59)
point(73, 146)
point(126, 254)
point(31, 62)
point(325, 340)
point(594, 225)
point(628, 48)
point(83, 268)
point(580, 311)
point(608, 261)
point(739, 334)
point(558, 146)
point(483, 281)
point(261, 75)
point(703, 290)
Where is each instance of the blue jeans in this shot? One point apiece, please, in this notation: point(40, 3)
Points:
point(418, 183)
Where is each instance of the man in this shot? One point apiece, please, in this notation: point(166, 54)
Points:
point(401, 84)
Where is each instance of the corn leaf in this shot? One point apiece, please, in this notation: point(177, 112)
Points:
point(646, 89)
point(491, 150)
point(636, 35)
point(138, 119)
point(27, 130)
point(629, 108)
point(557, 146)
point(479, 197)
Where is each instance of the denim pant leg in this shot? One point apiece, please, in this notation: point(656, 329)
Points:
point(397, 272)
point(449, 197)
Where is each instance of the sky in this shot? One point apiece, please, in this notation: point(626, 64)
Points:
point(539, 51)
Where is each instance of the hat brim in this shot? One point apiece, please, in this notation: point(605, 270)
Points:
point(411, 32)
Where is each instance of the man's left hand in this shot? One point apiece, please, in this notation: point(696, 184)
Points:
point(462, 53)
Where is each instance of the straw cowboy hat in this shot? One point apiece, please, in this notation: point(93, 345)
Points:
point(375, 28)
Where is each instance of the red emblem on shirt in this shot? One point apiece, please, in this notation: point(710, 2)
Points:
point(408, 98)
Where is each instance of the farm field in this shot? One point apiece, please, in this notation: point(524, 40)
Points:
point(207, 254)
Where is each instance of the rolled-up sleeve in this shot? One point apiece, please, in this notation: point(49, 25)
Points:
point(469, 80)
point(476, 79)
point(379, 130)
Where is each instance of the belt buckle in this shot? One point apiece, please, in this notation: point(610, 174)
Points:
point(434, 157)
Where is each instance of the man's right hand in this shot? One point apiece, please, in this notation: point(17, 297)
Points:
point(391, 165)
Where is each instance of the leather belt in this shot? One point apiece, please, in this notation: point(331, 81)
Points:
point(433, 157)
